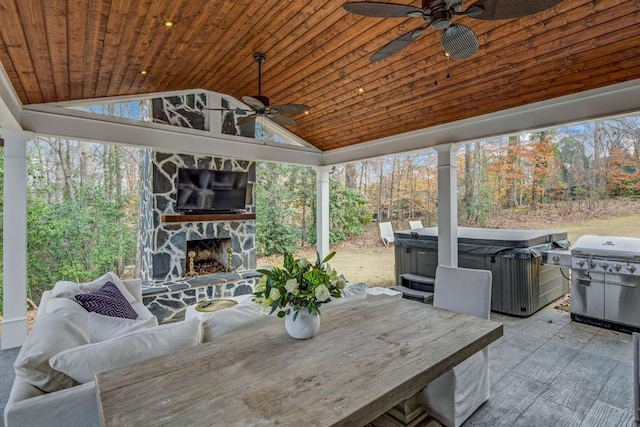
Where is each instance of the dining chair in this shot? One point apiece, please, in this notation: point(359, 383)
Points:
point(414, 225)
point(636, 376)
point(386, 233)
point(454, 396)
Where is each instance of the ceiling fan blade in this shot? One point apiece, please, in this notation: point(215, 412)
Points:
point(291, 108)
point(382, 10)
point(246, 120)
point(397, 44)
point(459, 41)
point(281, 120)
point(507, 9)
point(253, 102)
point(238, 111)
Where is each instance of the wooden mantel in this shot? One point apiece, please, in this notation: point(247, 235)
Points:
point(208, 217)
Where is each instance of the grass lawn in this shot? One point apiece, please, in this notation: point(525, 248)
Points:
point(365, 259)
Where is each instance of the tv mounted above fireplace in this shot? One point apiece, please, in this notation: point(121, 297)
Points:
point(211, 191)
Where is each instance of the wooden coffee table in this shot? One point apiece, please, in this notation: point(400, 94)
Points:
point(370, 356)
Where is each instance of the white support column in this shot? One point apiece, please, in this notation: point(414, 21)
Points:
point(447, 205)
point(322, 210)
point(14, 324)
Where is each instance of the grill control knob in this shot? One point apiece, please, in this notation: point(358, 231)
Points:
point(631, 268)
point(604, 265)
point(556, 259)
point(592, 264)
point(617, 267)
point(580, 262)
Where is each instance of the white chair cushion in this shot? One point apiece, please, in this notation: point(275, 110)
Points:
point(52, 333)
point(84, 362)
point(102, 328)
point(66, 289)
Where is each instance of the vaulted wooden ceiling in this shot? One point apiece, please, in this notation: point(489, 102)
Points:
point(317, 54)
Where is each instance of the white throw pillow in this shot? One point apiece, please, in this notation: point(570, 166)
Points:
point(228, 320)
point(51, 334)
point(70, 309)
point(102, 328)
point(84, 362)
point(66, 289)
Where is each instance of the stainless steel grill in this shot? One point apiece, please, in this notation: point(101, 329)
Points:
point(605, 279)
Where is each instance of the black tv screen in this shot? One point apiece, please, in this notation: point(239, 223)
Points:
point(205, 190)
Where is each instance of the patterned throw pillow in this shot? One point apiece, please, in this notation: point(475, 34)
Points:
point(107, 300)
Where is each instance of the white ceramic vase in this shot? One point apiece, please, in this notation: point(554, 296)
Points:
point(305, 326)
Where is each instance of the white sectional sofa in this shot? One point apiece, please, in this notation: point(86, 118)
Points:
point(56, 367)
point(81, 344)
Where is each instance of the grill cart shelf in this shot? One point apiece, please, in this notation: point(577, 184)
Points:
point(521, 284)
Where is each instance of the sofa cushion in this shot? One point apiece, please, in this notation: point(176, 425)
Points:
point(107, 300)
point(66, 289)
point(352, 291)
point(51, 334)
point(222, 322)
point(102, 328)
point(84, 362)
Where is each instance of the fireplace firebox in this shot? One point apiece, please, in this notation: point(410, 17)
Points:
point(208, 256)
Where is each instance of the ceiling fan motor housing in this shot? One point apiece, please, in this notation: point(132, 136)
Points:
point(263, 99)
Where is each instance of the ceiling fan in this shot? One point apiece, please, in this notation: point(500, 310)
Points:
point(259, 104)
point(458, 41)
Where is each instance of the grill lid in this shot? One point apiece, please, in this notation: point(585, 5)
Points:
point(627, 248)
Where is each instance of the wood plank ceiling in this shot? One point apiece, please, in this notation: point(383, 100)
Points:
point(317, 54)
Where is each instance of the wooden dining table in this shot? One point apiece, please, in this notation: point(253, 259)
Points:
point(369, 357)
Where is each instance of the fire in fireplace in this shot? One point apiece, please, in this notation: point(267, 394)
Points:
point(207, 256)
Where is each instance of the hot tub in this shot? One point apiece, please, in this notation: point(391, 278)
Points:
point(521, 285)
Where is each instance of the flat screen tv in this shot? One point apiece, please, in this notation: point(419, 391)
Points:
point(211, 191)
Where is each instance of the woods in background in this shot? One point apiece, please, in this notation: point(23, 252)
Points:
point(83, 198)
point(587, 162)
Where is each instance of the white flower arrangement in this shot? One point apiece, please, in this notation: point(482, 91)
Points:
point(297, 284)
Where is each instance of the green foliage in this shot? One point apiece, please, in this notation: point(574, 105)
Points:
point(298, 284)
point(349, 212)
point(76, 240)
point(275, 230)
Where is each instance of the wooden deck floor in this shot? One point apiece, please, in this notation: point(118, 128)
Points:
point(545, 371)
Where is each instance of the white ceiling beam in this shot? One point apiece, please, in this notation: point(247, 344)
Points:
point(77, 125)
point(607, 101)
point(10, 105)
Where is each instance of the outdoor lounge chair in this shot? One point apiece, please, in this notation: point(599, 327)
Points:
point(386, 233)
point(454, 396)
point(414, 225)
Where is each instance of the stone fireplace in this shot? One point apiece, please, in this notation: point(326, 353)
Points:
point(166, 243)
point(208, 256)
